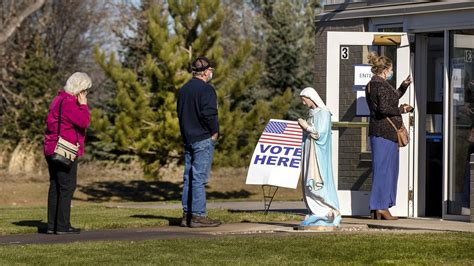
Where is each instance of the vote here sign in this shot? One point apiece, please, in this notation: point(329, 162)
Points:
point(276, 159)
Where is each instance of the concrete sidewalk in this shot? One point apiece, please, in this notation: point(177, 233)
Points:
point(176, 232)
point(171, 232)
point(349, 225)
point(425, 224)
point(430, 224)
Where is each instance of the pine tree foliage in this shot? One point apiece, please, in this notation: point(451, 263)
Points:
point(145, 122)
point(289, 46)
point(37, 82)
point(283, 35)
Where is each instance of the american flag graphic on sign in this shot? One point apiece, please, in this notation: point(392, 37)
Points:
point(287, 133)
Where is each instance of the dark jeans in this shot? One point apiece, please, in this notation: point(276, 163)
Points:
point(62, 184)
point(197, 166)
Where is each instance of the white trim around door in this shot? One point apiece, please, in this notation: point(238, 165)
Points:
point(356, 202)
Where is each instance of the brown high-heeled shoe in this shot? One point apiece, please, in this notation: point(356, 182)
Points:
point(384, 215)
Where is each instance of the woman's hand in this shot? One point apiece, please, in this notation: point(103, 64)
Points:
point(303, 124)
point(407, 81)
point(407, 108)
point(82, 97)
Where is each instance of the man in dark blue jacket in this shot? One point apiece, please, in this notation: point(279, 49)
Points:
point(199, 125)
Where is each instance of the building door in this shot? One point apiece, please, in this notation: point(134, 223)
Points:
point(429, 66)
point(346, 52)
point(460, 124)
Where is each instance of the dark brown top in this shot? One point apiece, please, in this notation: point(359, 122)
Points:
point(383, 102)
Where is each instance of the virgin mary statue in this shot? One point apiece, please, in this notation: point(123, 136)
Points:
point(319, 191)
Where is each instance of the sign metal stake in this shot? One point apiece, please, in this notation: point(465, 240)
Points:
point(268, 196)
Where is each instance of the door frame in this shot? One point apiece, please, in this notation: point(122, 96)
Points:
point(335, 39)
point(420, 75)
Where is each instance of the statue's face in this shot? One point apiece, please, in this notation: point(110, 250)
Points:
point(308, 102)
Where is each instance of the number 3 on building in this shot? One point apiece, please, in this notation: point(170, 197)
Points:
point(344, 52)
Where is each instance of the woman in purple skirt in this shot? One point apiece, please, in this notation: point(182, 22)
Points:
point(382, 100)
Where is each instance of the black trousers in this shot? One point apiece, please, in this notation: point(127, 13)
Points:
point(62, 184)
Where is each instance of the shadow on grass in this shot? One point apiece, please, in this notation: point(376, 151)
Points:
point(39, 224)
point(142, 191)
point(172, 221)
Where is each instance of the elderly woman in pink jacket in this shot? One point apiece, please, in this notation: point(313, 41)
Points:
point(69, 112)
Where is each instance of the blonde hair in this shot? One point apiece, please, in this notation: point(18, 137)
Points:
point(378, 63)
point(78, 82)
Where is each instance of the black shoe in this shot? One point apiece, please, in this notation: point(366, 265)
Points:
point(70, 230)
point(185, 220)
point(203, 221)
point(50, 232)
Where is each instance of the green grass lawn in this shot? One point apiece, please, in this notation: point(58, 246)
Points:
point(438, 248)
point(16, 220)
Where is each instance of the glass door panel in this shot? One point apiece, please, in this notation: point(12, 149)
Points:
point(462, 118)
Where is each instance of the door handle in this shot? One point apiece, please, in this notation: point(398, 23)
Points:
point(412, 120)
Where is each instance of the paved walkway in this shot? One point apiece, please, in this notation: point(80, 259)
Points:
point(349, 225)
point(434, 224)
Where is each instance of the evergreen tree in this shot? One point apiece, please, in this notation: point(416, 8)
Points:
point(289, 48)
point(283, 35)
point(37, 82)
point(145, 122)
point(135, 39)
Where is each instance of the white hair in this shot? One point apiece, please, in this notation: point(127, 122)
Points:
point(78, 82)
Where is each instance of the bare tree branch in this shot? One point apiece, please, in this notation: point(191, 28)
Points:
point(16, 21)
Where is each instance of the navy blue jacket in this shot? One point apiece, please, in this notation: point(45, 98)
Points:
point(197, 111)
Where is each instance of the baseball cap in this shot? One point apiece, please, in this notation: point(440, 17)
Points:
point(202, 63)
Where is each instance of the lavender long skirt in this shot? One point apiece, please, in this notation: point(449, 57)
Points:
point(385, 159)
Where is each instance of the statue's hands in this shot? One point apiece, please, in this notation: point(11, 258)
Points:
point(303, 124)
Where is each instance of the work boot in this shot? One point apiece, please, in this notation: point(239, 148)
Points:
point(185, 220)
point(203, 221)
